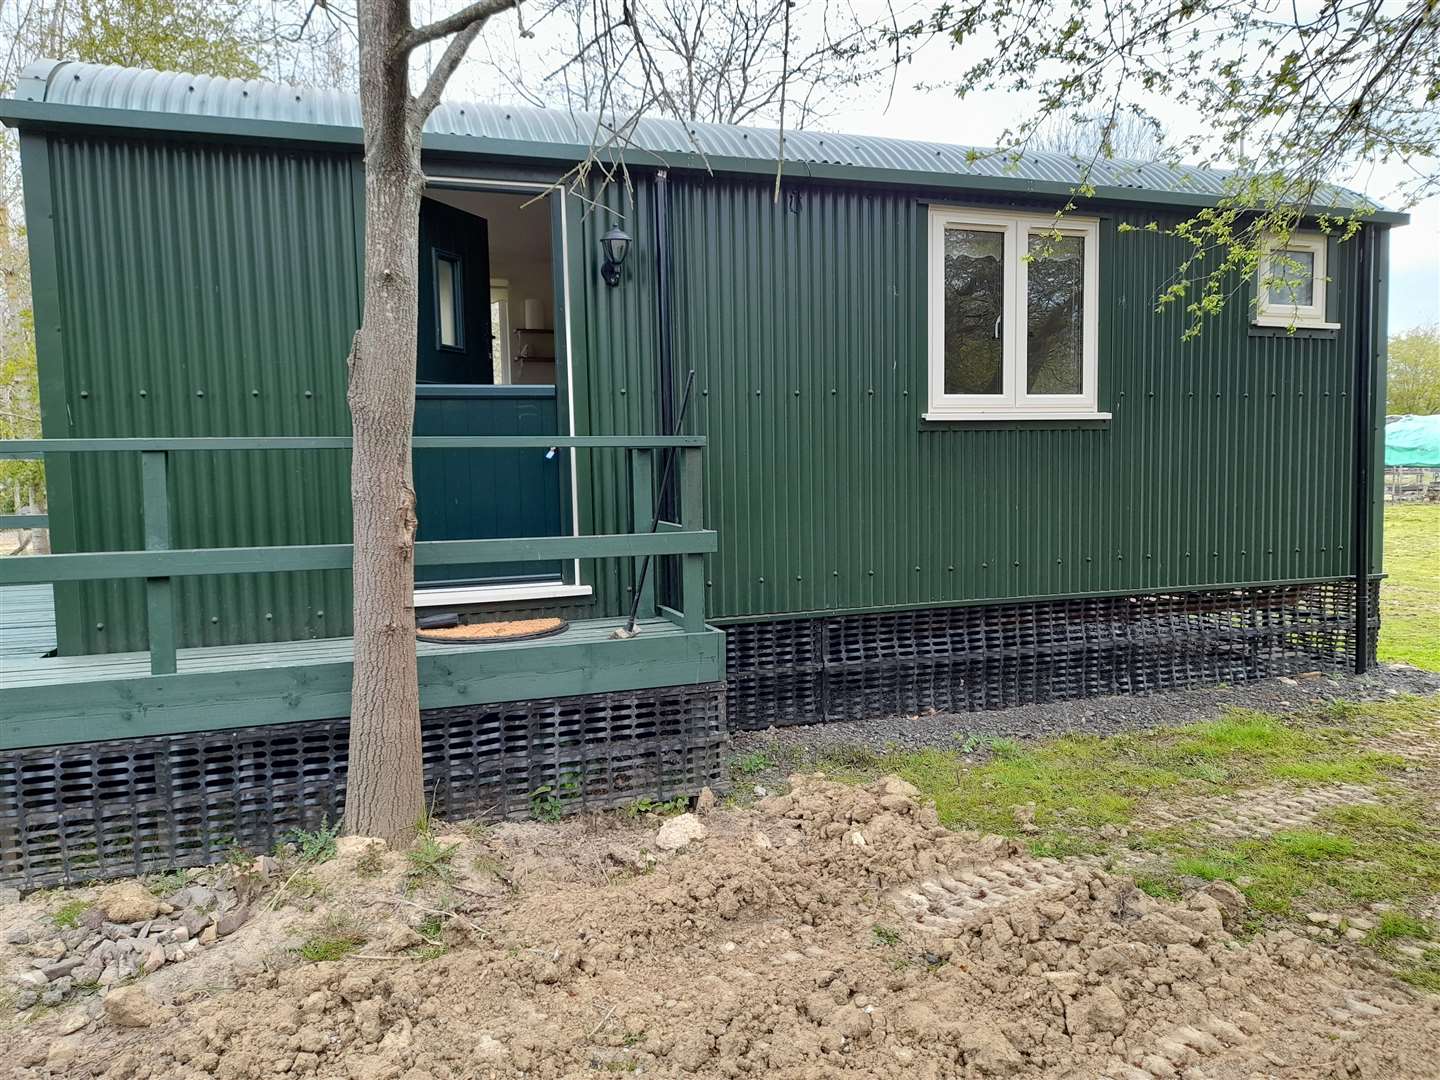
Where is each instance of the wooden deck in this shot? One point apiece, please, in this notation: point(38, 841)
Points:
point(27, 623)
point(52, 700)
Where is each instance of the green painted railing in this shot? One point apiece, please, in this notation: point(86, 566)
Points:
point(159, 563)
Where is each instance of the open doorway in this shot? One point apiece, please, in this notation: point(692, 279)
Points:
point(487, 364)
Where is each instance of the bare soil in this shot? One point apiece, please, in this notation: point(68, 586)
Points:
point(835, 931)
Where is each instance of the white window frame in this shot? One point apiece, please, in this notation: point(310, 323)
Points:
point(1311, 315)
point(1013, 402)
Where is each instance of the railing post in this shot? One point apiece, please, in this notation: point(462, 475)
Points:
point(692, 517)
point(642, 496)
point(159, 600)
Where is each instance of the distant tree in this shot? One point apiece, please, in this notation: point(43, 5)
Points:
point(725, 63)
point(1123, 135)
point(213, 38)
point(1288, 97)
point(1413, 385)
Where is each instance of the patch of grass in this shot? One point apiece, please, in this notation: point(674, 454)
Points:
point(756, 761)
point(487, 864)
point(67, 916)
point(429, 860)
point(324, 947)
point(1158, 886)
point(886, 935)
point(166, 884)
point(1082, 782)
point(1410, 593)
point(1198, 866)
point(1399, 924)
point(315, 846)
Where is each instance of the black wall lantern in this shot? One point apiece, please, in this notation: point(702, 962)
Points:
point(614, 245)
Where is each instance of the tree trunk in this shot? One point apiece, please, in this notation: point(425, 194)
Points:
point(385, 794)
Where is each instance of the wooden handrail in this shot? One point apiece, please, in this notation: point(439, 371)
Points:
point(158, 564)
point(30, 448)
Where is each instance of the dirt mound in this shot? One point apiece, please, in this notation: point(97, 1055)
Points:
point(831, 932)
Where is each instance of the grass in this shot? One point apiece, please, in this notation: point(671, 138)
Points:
point(331, 946)
point(67, 916)
point(1410, 594)
point(1081, 783)
point(429, 860)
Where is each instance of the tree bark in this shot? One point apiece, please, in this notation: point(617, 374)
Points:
point(385, 794)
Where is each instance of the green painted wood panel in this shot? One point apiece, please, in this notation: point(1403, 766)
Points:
point(468, 494)
point(201, 290)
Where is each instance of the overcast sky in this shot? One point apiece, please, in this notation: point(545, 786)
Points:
point(909, 111)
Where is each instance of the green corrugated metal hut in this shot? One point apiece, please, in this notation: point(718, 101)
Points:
point(942, 473)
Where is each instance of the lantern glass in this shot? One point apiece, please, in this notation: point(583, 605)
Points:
point(615, 243)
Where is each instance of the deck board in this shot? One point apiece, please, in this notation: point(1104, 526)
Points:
point(27, 621)
point(51, 700)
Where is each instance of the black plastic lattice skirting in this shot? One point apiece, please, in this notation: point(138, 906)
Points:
point(957, 659)
point(103, 809)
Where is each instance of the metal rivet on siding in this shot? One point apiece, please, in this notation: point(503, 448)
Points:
point(871, 390)
point(834, 573)
point(757, 392)
point(1214, 554)
point(1119, 558)
point(199, 393)
point(870, 572)
point(917, 569)
point(623, 391)
point(762, 581)
point(1147, 555)
point(1089, 558)
point(1244, 552)
point(704, 393)
point(143, 393)
point(709, 584)
point(951, 568)
point(269, 615)
point(84, 393)
point(797, 393)
point(255, 392)
point(214, 618)
point(309, 393)
point(99, 626)
point(797, 577)
point(984, 566)
point(1015, 563)
point(1059, 561)
point(832, 389)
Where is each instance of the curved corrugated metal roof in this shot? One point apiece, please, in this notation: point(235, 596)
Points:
point(105, 86)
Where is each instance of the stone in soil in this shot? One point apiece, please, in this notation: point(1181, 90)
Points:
point(133, 1007)
point(679, 832)
point(127, 903)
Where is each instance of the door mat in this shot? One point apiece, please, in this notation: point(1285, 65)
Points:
point(484, 633)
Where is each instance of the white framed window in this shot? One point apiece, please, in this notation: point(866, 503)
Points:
point(1014, 316)
point(1291, 282)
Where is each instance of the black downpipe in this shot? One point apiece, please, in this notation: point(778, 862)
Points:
point(665, 360)
point(1364, 439)
point(665, 353)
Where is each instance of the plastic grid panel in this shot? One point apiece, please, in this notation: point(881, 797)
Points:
point(849, 667)
point(132, 806)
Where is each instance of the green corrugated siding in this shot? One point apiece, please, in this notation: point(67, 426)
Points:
point(196, 267)
point(1228, 459)
point(204, 290)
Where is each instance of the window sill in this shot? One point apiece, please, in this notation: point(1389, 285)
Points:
point(1282, 323)
point(498, 594)
point(1012, 415)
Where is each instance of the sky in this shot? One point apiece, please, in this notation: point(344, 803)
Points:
point(918, 107)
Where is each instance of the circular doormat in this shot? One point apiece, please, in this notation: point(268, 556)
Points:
point(485, 633)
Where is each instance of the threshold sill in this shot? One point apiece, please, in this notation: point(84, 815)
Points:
point(1017, 414)
point(499, 594)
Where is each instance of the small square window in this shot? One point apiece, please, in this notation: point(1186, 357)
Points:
point(449, 308)
point(1013, 316)
point(1291, 285)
